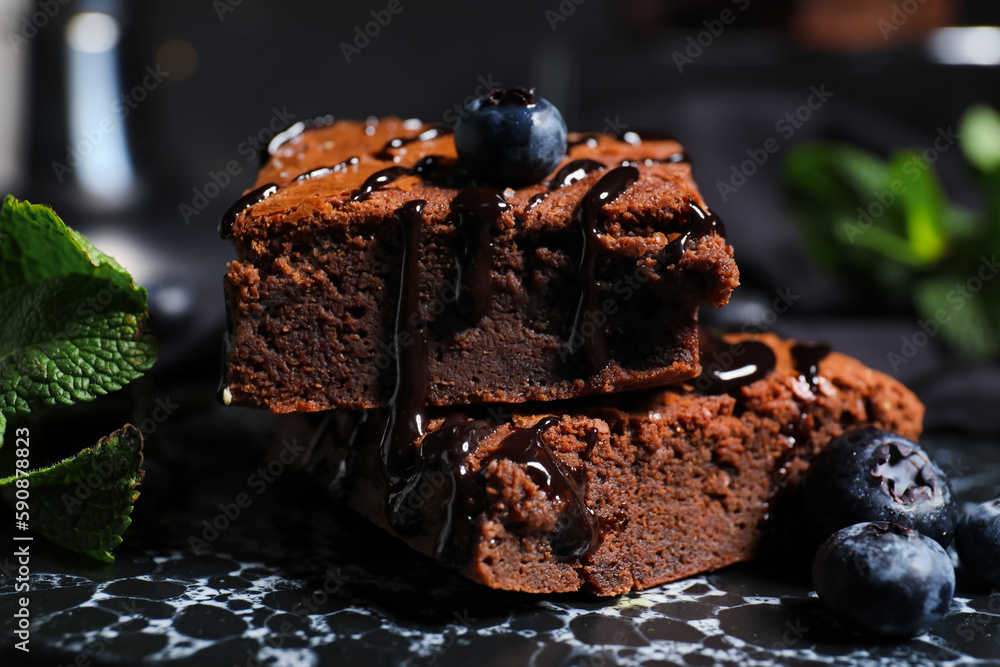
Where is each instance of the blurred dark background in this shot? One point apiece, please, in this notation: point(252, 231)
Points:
point(140, 122)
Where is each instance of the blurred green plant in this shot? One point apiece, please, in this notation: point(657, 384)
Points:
point(888, 225)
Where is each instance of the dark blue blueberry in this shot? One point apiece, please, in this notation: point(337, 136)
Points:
point(884, 579)
point(873, 475)
point(977, 540)
point(511, 138)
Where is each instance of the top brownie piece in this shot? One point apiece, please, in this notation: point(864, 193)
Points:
point(370, 266)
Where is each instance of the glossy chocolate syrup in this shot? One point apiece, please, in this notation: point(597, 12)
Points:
point(408, 467)
point(697, 223)
point(441, 475)
point(441, 458)
point(728, 366)
point(251, 198)
point(589, 334)
point(405, 425)
point(377, 180)
point(323, 171)
point(476, 214)
point(577, 532)
point(443, 172)
point(431, 168)
point(343, 479)
point(573, 172)
point(289, 133)
point(806, 358)
point(534, 201)
point(385, 153)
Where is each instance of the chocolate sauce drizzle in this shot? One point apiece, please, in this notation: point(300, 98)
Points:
point(407, 465)
point(577, 532)
point(323, 171)
point(476, 213)
point(385, 153)
point(445, 452)
point(406, 422)
point(725, 367)
point(290, 132)
point(806, 358)
point(697, 223)
point(429, 168)
point(573, 172)
point(378, 180)
point(592, 341)
point(534, 201)
point(251, 198)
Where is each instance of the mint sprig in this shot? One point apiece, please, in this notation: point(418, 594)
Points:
point(84, 503)
point(889, 222)
point(74, 323)
point(73, 327)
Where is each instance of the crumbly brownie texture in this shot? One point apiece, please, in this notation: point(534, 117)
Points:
point(314, 292)
point(667, 484)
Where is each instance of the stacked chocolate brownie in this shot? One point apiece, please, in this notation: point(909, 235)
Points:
point(513, 380)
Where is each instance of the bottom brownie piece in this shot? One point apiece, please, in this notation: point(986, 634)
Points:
point(624, 492)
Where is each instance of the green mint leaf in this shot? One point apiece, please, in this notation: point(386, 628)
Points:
point(836, 174)
point(979, 136)
point(74, 323)
point(84, 503)
point(922, 199)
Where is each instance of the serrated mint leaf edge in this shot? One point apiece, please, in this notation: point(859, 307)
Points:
point(46, 222)
point(134, 435)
